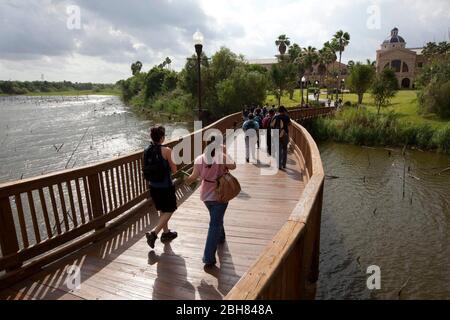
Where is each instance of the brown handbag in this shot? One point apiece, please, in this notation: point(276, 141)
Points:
point(227, 187)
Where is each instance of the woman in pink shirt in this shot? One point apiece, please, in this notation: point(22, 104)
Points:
point(209, 167)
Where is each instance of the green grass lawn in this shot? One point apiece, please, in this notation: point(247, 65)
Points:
point(71, 93)
point(404, 104)
point(285, 100)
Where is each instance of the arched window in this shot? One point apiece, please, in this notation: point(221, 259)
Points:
point(396, 65)
point(406, 83)
point(405, 67)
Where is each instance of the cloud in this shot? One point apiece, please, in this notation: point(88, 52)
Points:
point(114, 33)
point(30, 29)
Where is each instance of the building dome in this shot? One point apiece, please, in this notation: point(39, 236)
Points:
point(394, 38)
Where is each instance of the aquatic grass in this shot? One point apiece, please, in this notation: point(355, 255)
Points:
point(441, 139)
point(363, 127)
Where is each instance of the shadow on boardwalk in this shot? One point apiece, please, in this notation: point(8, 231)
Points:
point(123, 267)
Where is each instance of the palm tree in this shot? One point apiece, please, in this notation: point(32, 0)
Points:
point(294, 52)
point(299, 62)
point(371, 63)
point(310, 58)
point(323, 59)
point(330, 56)
point(168, 62)
point(341, 39)
point(136, 67)
point(282, 43)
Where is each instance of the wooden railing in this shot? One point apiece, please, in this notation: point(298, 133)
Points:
point(288, 268)
point(43, 219)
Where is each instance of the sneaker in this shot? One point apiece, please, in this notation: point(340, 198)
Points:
point(169, 236)
point(151, 238)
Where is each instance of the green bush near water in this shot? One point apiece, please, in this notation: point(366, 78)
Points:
point(362, 127)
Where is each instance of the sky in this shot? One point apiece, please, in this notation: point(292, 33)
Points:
point(97, 40)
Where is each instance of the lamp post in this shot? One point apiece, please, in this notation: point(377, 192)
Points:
point(302, 81)
point(342, 89)
point(318, 89)
point(337, 88)
point(198, 42)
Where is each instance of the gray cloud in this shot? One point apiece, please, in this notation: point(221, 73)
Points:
point(34, 36)
point(30, 29)
point(110, 29)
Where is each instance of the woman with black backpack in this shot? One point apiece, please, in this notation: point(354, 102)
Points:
point(158, 167)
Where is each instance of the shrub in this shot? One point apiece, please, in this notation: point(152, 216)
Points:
point(175, 102)
point(362, 127)
point(424, 136)
point(441, 139)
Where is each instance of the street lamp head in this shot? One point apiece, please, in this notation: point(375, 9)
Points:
point(303, 79)
point(198, 38)
point(198, 42)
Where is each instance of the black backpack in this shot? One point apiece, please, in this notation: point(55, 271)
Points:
point(153, 167)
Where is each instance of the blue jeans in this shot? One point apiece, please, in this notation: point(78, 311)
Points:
point(216, 232)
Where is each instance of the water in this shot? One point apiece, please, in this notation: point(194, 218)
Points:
point(367, 221)
point(39, 135)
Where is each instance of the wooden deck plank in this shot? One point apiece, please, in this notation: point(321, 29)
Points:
point(124, 267)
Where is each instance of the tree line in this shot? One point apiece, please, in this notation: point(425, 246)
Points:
point(228, 82)
point(25, 87)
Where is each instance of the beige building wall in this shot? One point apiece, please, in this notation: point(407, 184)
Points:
point(406, 63)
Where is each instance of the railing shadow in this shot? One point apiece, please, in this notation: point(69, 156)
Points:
point(52, 283)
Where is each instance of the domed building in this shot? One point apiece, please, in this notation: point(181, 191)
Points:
point(406, 62)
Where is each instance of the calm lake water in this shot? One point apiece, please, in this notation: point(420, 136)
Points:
point(369, 218)
point(366, 218)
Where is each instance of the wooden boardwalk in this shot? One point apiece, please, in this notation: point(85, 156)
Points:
point(122, 266)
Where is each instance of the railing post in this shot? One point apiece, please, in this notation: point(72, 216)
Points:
point(8, 234)
point(96, 197)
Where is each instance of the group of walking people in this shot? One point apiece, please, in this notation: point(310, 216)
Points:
point(158, 167)
point(256, 118)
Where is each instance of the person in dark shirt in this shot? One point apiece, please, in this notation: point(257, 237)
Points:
point(266, 125)
point(258, 118)
point(245, 113)
point(282, 122)
point(250, 124)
